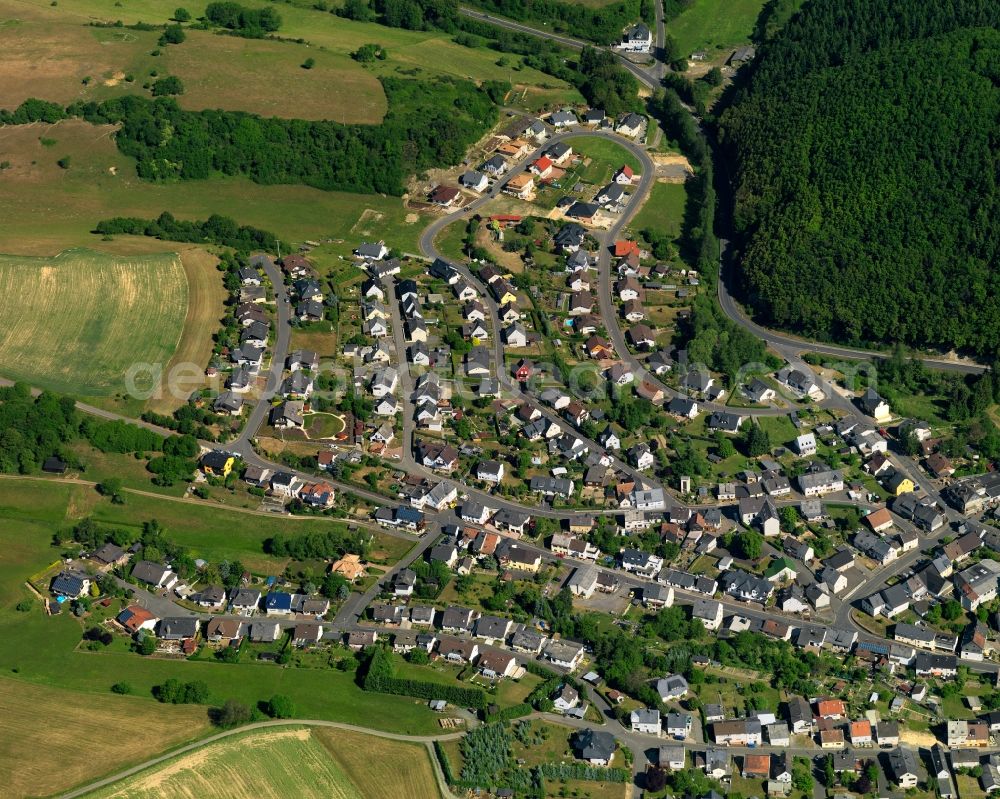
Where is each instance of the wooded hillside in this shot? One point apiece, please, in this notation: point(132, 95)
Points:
point(866, 154)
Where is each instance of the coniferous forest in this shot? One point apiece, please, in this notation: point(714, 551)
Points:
point(866, 153)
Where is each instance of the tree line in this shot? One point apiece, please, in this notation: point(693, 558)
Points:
point(866, 201)
point(217, 229)
point(429, 123)
point(603, 25)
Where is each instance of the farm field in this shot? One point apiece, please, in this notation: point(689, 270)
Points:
point(205, 308)
point(84, 735)
point(77, 322)
point(48, 53)
point(709, 24)
point(663, 209)
point(380, 768)
point(267, 78)
point(311, 763)
point(410, 53)
point(101, 183)
point(273, 763)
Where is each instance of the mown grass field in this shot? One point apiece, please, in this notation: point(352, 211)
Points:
point(710, 24)
point(53, 739)
point(78, 321)
point(267, 78)
point(47, 209)
point(205, 308)
point(410, 53)
point(50, 52)
point(663, 209)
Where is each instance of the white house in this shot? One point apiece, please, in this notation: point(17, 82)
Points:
point(637, 39)
point(646, 720)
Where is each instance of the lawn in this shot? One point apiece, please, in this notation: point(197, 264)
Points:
point(450, 241)
point(54, 739)
point(663, 209)
point(779, 428)
point(102, 183)
point(213, 533)
point(323, 425)
point(78, 321)
point(606, 157)
point(708, 24)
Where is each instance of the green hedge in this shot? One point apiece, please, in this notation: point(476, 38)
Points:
point(445, 761)
point(510, 713)
point(581, 771)
point(380, 676)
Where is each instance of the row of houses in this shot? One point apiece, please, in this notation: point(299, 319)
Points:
point(472, 626)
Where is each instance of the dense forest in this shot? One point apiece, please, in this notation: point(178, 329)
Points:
point(430, 123)
point(866, 152)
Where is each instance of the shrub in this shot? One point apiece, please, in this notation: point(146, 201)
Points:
point(172, 34)
point(280, 707)
point(169, 85)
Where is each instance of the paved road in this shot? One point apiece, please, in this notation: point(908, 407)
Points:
point(648, 76)
point(279, 352)
point(799, 345)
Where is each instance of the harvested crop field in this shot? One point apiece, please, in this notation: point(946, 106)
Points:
point(274, 764)
point(381, 768)
point(304, 763)
point(206, 307)
point(52, 739)
point(77, 322)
